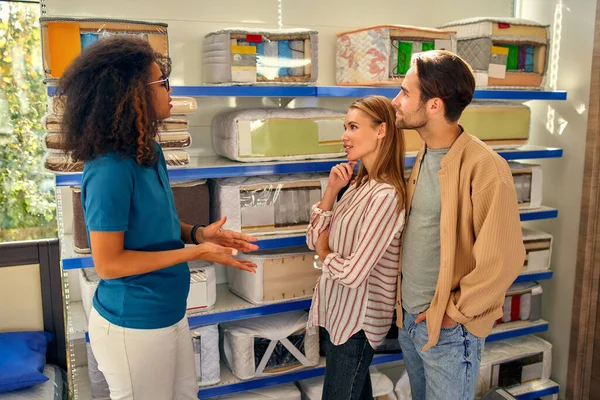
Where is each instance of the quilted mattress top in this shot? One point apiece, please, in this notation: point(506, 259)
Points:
point(262, 31)
point(400, 27)
point(477, 20)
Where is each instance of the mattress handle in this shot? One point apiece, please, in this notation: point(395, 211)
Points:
point(291, 348)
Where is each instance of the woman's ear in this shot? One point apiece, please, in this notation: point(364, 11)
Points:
point(381, 130)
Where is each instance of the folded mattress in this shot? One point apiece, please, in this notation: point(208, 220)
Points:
point(61, 162)
point(268, 205)
point(278, 134)
point(192, 202)
point(166, 140)
point(513, 362)
point(205, 341)
point(270, 345)
point(381, 54)
point(523, 302)
point(503, 52)
point(182, 105)
point(280, 275)
point(528, 180)
point(203, 286)
point(312, 389)
point(260, 56)
point(538, 248)
point(64, 38)
point(52, 123)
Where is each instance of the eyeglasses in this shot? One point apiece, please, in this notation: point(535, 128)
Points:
point(165, 81)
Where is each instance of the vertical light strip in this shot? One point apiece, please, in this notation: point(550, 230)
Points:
point(280, 13)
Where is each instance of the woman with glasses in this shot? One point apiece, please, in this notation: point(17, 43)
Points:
point(115, 94)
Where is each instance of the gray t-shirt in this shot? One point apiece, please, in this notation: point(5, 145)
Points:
point(421, 246)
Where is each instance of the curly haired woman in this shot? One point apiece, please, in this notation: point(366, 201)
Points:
point(115, 94)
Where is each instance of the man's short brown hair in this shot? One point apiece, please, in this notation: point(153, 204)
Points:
point(445, 75)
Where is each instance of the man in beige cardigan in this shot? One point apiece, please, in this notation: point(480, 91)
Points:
point(462, 246)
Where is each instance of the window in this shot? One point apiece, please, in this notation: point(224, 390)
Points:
point(27, 206)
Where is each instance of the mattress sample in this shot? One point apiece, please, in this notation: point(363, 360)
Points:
point(203, 286)
point(528, 183)
point(52, 124)
point(61, 162)
point(182, 105)
point(285, 391)
point(312, 389)
point(500, 125)
point(513, 362)
point(538, 248)
point(205, 341)
point(523, 302)
point(261, 56)
point(192, 202)
point(381, 54)
point(503, 52)
point(267, 205)
point(55, 388)
point(279, 134)
point(64, 38)
point(269, 345)
point(280, 275)
point(88, 282)
point(98, 385)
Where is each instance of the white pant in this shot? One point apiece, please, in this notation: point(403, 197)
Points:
point(145, 364)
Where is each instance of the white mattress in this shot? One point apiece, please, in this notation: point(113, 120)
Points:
point(312, 389)
point(526, 297)
point(537, 260)
point(529, 186)
point(239, 345)
point(53, 389)
point(296, 267)
point(98, 385)
point(482, 26)
point(88, 282)
point(233, 142)
point(504, 351)
point(203, 286)
point(285, 391)
point(268, 206)
point(205, 340)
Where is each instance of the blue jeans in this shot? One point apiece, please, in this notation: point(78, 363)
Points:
point(347, 369)
point(449, 370)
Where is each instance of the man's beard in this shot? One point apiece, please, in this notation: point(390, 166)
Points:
point(403, 124)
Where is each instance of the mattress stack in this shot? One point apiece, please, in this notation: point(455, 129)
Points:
point(523, 302)
point(383, 387)
point(172, 137)
point(242, 56)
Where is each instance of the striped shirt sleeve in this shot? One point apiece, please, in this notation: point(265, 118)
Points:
point(319, 222)
point(381, 223)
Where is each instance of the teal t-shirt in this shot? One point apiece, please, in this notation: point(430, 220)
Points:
point(118, 195)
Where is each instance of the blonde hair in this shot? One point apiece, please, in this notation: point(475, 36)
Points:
point(389, 166)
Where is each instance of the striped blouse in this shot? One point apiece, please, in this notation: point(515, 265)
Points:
point(357, 289)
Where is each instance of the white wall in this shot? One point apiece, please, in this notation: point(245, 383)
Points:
point(573, 33)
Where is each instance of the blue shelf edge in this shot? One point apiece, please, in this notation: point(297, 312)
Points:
point(538, 276)
point(245, 313)
point(344, 91)
point(300, 240)
point(284, 378)
point(310, 166)
point(529, 330)
point(378, 359)
point(540, 393)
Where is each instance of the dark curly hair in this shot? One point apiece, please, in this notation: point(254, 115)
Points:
point(107, 104)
